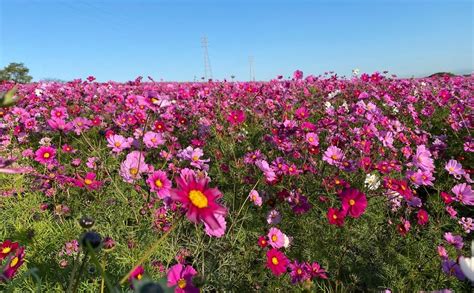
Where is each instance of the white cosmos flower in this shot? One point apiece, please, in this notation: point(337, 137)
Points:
point(372, 181)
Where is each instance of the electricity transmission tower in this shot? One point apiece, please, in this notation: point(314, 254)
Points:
point(207, 61)
point(251, 70)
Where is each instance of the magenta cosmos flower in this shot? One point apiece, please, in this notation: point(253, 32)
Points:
point(277, 261)
point(14, 264)
point(276, 238)
point(464, 193)
point(181, 277)
point(299, 272)
point(136, 274)
point(199, 200)
point(336, 217)
point(88, 181)
point(333, 155)
point(160, 184)
point(354, 202)
point(236, 117)
point(45, 155)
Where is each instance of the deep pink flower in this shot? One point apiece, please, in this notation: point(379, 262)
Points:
point(336, 217)
point(236, 117)
point(88, 181)
point(181, 276)
point(277, 261)
point(14, 264)
point(354, 202)
point(422, 216)
point(136, 274)
point(199, 200)
point(160, 184)
point(45, 155)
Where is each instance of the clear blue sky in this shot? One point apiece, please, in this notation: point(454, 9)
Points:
point(119, 40)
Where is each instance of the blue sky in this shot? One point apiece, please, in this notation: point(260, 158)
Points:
point(120, 40)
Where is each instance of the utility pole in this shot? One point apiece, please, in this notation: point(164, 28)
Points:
point(207, 61)
point(251, 70)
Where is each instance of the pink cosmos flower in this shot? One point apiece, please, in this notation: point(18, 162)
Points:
point(236, 117)
point(160, 184)
point(133, 166)
point(464, 193)
point(153, 139)
point(45, 155)
point(267, 170)
point(333, 156)
point(219, 232)
point(454, 240)
point(118, 142)
point(59, 113)
point(442, 252)
point(255, 198)
point(276, 238)
point(317, 271)
point(422, 159)
point(421, 177)
point(277, 261)
point(354, 202)
point(59, 124)
point(194, 156)
point(454, 168)
point(273, 217)
point(181, 276)
point(451, 211)
point(312, 138)
point(199, 200)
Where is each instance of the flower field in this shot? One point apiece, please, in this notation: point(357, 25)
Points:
point(316, 183)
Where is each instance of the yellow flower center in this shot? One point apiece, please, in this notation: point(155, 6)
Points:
point(158, 183)
point(352, 202)
point(14, 262)
point(274, 238)
point(139, 276)
point(182, 283)
point(334, 217)
point(88, 181)
point(133, 171)
point(153, 139)
point(46, 155)
point(334, 157)
point(6, 250)
point(310, 139)
point(451, 169)
point(274, 260)
point(299, 271)
point(154, 100)
point(198, 199)
point(117, 144)
point(195, 158)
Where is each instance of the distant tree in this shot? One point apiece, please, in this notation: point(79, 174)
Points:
point(442, 74)
point(16, 72)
